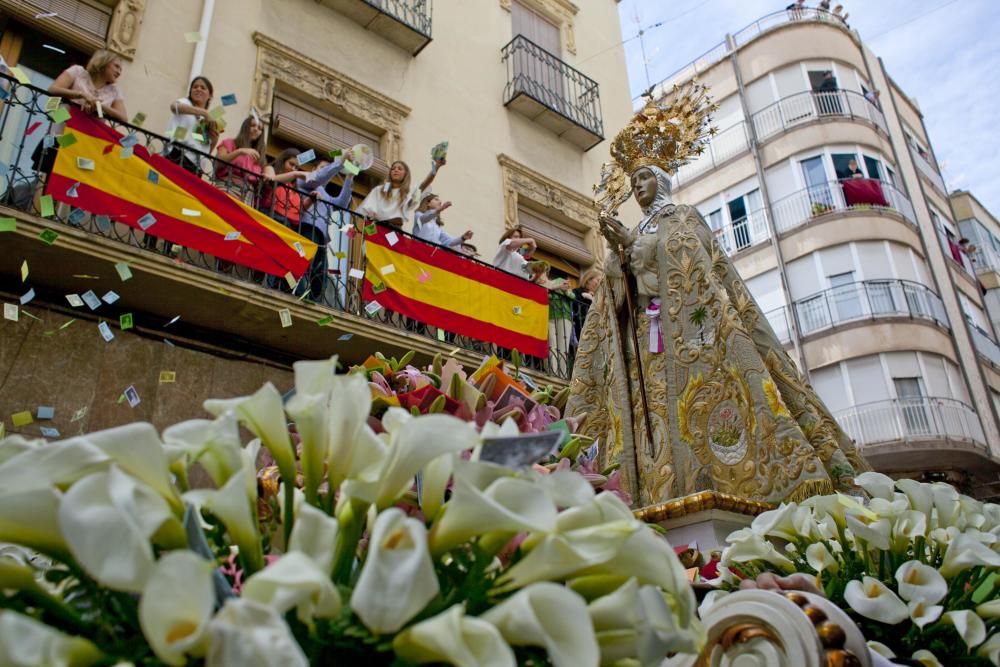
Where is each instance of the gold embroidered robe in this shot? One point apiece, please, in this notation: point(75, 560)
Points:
point(730, 411)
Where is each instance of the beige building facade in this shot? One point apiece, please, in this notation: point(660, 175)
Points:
point(510, 84)
point(822, 186)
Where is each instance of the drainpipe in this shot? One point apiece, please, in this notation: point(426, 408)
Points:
point(205, 28)
point(793, 323)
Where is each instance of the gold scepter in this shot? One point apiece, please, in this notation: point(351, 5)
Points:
point(606, 222)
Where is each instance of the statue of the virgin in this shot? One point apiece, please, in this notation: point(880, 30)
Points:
point(684, 382)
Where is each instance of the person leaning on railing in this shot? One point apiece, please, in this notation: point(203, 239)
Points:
point(513, 251)
point(92, 88)
point(246, 152)
point(560, 315)
point(584, 296)
point(429, 226)
point(394, 201)
point(318, 208)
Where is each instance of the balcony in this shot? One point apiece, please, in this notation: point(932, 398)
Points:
point(220, 303)
point(927, 170)
point(744, 233)
point(868, 300)
point(778, 319)
point(405, 23)
point(906, 434)
point(824, 199)
point(986, 347)
point(551, 93)
point(957, 254)
point(811, 106)
point(723, 147)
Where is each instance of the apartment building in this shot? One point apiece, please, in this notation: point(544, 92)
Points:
point(823, 187)
point(500, 80)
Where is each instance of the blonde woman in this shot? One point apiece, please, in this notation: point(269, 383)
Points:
point(93, 85)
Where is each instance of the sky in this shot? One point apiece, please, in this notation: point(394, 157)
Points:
point(943, 53)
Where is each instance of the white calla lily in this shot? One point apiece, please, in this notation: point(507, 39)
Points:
point(309, 407)
point(31, 518)
point(314, 534)
point(454, 638)
point(215, 444)
point(233, 508)
point(820, 558)
point(876, 484)
point(25, 642)
point(434, 484)
point(550, 616)
point(176, 606)
point(750, 546)
point(251, 634)
point(989, 609)
point(567, 488)
point(964, 552)
point(874, 533)
point(777, 522)
point(709, 601)
point(353, 451)
point(909, 525)
point(969, 626)
point(946, 503)
point(262, 412)
point(991, 649)
point(603, 508)
point(508, 504)
point(398, 561)
point(881, 649)
point(873, 599)
point(294, 581)
point(413, 443)
point(135, 448)
point(923, 612)
point(14, 444)
point(108, 520)
point(917, 581)
point(926, 658)
point(919, 494)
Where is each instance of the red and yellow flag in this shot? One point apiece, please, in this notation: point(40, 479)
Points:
point(187, 210)
point(445, 290)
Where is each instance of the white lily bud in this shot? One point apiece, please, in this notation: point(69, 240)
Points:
point(176, 606)
point(456, 639)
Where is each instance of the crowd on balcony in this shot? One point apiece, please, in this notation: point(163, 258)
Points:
point(798, 11)
point(297, 188)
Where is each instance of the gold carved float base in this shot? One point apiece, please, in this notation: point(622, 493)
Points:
point(705, 518)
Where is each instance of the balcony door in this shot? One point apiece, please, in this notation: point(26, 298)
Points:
point(741, 211)
point(845, 297)
point(913, 406)
point(538, 73)
point(820, 197)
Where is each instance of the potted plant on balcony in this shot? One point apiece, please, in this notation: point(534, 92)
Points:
point(819, 208)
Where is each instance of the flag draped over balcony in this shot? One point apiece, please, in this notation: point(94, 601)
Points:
point(92, 174)
point(445, 290)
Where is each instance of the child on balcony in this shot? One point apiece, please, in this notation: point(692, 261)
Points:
point(428, 225)
point(246, 152)
point(514, 247)
point(394, 202)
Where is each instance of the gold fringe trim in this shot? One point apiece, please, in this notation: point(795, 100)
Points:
point(808, 489)
point(698, 502)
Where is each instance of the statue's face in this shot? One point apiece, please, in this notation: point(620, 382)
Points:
point(644, 187)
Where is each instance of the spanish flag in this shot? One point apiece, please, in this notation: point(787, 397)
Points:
point(443, 289)
point(148, 191)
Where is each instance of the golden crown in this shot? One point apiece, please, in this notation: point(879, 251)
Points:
point(663, 136)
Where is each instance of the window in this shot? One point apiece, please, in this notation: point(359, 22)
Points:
point(744, 211)
point(535, 72)
point(910, 398)
point(873, 167)
point(841, 164)
point(819, 191)
point(844, 296)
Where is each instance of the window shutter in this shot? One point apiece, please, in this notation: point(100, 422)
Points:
point(83, 24)
point(554, 238)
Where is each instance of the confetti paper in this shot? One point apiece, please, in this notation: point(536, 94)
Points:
point(335, 153)
point(66, 325)
point(66, 139)
point(387, 269)
point(192, 37)
point(351, 168)
point(286, 318)
point(124, 271)
point(76, 216)
point(8, 224)
point(74, 300)
point(129, 140)
point(454, 352)
point(47, 206)
point(49, 432)
point(325, 321)
point(24, 270)
point(71, 191)
point(49, 236)
point(373, 308)
point(299, 249)
point(176, 317)
point(27, 297)
point(153, 177)
point(125, 321)
point(217, 113)
point(423, 276)
point(167, 377)
point(378, 287)
point(441, 335)
point(356, 273)
point(100, 109)
point(22, 418)
point(91, 300)
point(132, 396)
point(340, 254)
point(46, 15)
point(139, 119)
point(10, 311)
point(79, 414)
point(110, 297)
point(290, 279)
point(86, 164)
point(20, 75)
point(180, 133)
point(190, 213)
point(106, 333)
point(231, 236)
point(346, 336)
point(392, 238)
point(370, 228)
point(103, 223)
point(306, 157)
point(147, 221)
point(45, 412)
point(126, 153)
point(59, 115)
point(228, 100)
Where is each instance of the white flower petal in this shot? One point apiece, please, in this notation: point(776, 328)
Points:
point(926, 658)
point(176, 606)
point(31, 519)
point(922, 612)
point(873, 599)
point(250, 634)
point(233, 508)
point(964, 552)
point(314, 534)
point(969, 626)
point(876, 484)
point(397, 580)
point(294, 581)
point(456, 639)
point(25, 642)
point(820, 558)
point(917, 581)
point(215, 444)
point(262, 413)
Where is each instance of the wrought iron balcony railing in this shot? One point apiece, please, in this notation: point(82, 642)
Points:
point(985, 345)
point(327, 283)
point(818, 200)
point(543, 87)
point(912, 419)
point(868, 300)
point(406, 23)
point(929, 171)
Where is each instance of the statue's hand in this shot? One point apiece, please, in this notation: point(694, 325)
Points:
point(614, 231)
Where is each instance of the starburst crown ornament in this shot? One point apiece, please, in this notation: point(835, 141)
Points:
point(666, 136)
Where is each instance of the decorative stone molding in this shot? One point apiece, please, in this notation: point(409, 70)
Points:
point(123, 34)
point(699, 502)
point(277, 62)
point(576, 212)
point(560, 12)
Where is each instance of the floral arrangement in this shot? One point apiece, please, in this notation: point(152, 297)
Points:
point(112, 558)
point(916, 567)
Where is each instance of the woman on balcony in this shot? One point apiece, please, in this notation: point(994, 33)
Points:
point(677, 369)
point(395, 202)
point(246, 153)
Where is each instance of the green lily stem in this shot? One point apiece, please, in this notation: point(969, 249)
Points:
point(289, 512)
point(65, 614)
point(351, 526)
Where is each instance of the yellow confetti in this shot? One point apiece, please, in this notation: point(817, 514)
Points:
point(22, 418)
